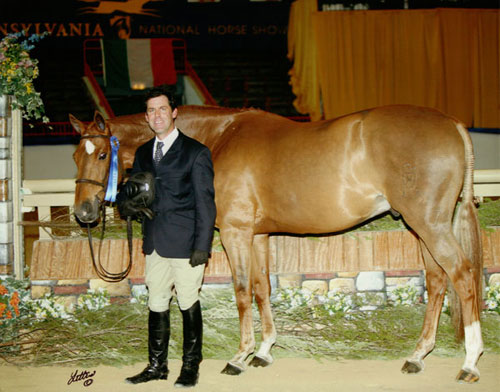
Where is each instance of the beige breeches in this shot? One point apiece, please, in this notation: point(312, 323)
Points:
point(164, 276)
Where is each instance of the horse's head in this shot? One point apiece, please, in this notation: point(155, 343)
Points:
point(92, 158)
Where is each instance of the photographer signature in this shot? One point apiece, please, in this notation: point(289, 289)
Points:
point(84, 376)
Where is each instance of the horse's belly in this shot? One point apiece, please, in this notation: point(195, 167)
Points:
point(317, 216)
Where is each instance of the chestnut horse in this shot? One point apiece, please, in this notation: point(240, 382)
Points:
point(276, 175)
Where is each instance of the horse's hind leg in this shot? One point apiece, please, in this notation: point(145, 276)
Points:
point(262, 291)
point(445, 249)
point(436, 288)
point(238, 246)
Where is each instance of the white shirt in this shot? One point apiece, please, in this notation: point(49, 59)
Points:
point(167, 142)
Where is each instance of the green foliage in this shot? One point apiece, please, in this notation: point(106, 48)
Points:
point(489, 213)
point(383, 223)
point(117, 334)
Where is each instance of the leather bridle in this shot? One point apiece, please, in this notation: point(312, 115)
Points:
point(98, 267)
point(87, 180)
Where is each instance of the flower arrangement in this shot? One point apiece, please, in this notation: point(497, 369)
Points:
point(13, 297)
point(336, 301)
point(333, 302)
point(17, 73)
point(493, 298)
point(406, 295)
point(140, 295)
point(292, 298)
point(14, 306)
point(94, 299)
point(49, 308)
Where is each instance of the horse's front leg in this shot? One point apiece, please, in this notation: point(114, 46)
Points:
point(262, 291)
point(238, 245)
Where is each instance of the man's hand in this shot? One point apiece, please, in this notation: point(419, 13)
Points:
point(198, 257)
point(131, 189)
point(127, 208)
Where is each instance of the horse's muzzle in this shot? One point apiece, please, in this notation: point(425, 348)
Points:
point(88, 212)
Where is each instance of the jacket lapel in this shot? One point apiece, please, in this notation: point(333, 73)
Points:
point(173, 152)
point(171, 155)
point(147, 157)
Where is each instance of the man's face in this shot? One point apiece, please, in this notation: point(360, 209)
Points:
point(160, 116)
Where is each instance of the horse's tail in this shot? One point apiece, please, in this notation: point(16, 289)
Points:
point(467, 231)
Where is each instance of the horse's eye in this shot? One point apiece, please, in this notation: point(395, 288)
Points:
point(102, 156)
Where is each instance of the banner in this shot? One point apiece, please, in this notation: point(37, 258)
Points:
point(138, 63)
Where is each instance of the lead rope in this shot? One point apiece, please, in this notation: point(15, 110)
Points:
point(98, 267)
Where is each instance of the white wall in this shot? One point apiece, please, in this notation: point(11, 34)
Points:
point(486, 150)
point(49, 162)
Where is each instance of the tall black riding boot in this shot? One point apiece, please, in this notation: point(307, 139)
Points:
point(191, 358)
point(159, 335)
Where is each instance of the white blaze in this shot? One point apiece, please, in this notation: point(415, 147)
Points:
point(89, 147)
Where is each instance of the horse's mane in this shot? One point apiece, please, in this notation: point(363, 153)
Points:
point(214, 110)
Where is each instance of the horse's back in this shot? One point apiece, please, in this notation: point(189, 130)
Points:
point(344, 170)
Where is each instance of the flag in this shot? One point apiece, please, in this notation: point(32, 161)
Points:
point(138, 63)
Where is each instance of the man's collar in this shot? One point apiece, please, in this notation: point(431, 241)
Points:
point(170, 137)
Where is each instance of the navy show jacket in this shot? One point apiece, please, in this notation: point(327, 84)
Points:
point(184, 204)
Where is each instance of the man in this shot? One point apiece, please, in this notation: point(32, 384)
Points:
point(178, 239)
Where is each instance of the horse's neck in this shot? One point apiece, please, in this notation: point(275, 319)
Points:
point(131, 135)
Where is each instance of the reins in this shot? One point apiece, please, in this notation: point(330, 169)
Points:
point(98, 267)
point(111, 191)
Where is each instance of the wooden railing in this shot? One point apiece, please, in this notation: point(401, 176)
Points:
point(44, 194)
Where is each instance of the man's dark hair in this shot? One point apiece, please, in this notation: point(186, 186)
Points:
point(159, 91)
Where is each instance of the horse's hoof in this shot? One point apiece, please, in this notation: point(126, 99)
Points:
point(467, 377)
point(232, 370)
point(259, 362)
point(411, 368)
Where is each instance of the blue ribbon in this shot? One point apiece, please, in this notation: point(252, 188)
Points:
point(113, 171)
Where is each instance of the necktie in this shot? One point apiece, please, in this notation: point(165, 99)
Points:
point(158, 153)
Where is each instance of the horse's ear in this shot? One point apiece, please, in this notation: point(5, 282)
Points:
point(77, 124)
point(99, 120)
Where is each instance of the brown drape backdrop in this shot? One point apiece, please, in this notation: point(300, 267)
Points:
point(442, 58)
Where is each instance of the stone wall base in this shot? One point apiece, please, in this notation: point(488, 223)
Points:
point(376, 282)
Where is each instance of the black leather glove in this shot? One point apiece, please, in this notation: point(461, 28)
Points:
point(131, 189)
point(198, 257)
point(129, 207)
point(136, 196)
